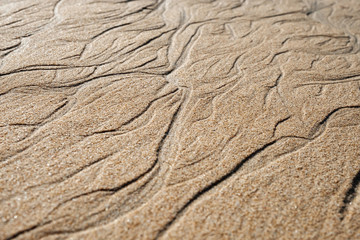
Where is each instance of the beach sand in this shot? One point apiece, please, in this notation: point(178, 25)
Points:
point(179, 119)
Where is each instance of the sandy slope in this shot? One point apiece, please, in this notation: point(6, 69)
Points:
point(179, 119)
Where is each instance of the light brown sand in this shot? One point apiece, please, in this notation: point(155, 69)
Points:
point(179, 119)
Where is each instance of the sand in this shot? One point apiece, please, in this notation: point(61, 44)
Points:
point(179, 119)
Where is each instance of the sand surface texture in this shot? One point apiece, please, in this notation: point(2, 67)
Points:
point(179, 119)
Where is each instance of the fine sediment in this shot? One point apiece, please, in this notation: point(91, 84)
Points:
point(179, 119)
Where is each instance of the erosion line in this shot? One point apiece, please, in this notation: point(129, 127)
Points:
point(15, 235)
point(137, 116)
point(316, 128)
point(212, 185)
point(278, 123)
point(350, 194)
